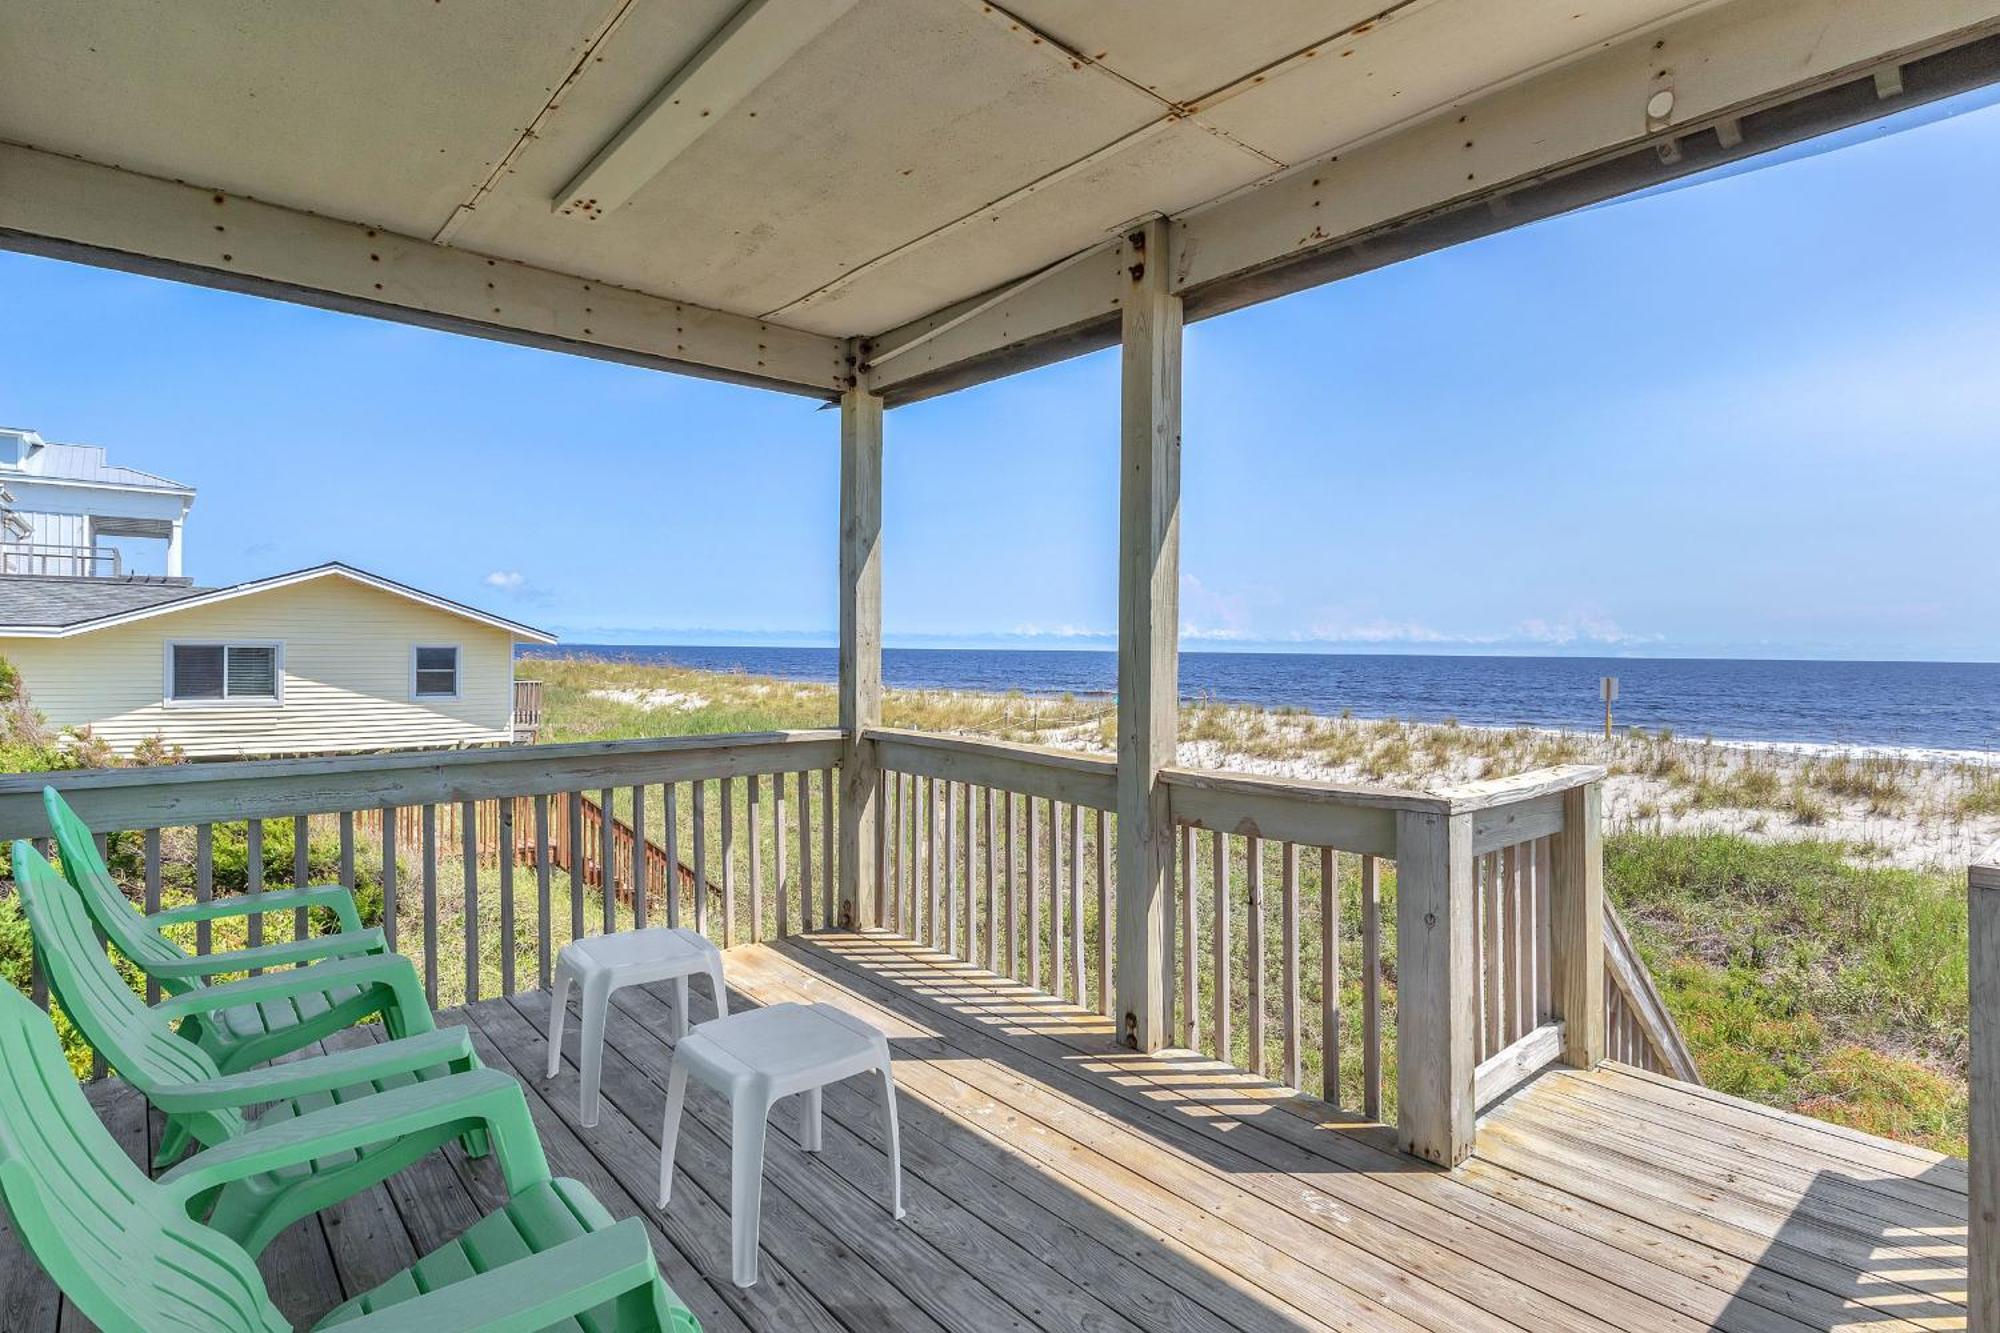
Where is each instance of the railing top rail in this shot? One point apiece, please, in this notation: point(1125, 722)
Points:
point(165, 796)
point(1224, 782)
point(1072, 760)
point(1471, 797)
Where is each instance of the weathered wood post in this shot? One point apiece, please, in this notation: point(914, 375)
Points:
point(1983, 1143)
point(1149, 540)
point(1576, 925)
point(1437, 991)
point(860, 649)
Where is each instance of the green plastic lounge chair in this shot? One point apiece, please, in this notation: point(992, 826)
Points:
point(130, 1256)
point(204, 1105)
point(246, 1034)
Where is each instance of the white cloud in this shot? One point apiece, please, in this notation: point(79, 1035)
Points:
point(506, 580)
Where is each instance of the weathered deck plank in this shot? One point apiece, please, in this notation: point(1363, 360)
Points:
point(1058, 1182)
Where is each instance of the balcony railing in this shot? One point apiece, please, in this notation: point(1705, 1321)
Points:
point(1488, 898)
point(527, 711)
point(66, 561)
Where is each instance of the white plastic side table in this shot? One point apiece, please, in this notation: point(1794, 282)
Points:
point(602, 964)
point(753, 1059)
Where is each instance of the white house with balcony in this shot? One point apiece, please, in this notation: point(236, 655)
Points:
point(59, 503)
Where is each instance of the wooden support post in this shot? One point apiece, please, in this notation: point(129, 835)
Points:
point(1576, 925)
point(1437, 992)
point(860, 650)
point(1149, 540)
point(1983, 1238)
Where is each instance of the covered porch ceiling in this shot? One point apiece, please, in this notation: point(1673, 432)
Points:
point(911, 195)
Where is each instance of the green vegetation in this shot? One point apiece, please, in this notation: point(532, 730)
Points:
point(1804, 980)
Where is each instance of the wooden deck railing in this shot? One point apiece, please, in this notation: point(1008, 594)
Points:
point(428, 807)
point(527, 711)
point(1506, 958)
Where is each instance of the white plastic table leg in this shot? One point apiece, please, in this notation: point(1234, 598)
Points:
point(670, 1127)
point(596, 999)
point(812, 1136)
point(557, 1009)
point(717, 990)
point(895, 1141)
point(749, 1116)
point(680, 1007)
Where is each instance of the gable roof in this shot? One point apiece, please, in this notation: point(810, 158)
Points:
point(59, 608)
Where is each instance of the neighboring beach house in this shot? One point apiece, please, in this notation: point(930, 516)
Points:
point(58, 503)
point(321, 660)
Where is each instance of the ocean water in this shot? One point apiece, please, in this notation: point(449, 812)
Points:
point(1925, 705)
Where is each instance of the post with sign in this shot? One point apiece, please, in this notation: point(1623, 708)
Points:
point(1610, 687)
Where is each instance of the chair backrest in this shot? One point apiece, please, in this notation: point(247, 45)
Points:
point(120, 1247)
point(83, 867)
point(99, 1000)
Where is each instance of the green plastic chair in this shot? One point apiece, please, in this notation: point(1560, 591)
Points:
point(249, 1033)
point(132, 1259)
point(205, 1106)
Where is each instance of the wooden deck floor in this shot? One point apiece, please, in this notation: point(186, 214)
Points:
point(1054, 1182)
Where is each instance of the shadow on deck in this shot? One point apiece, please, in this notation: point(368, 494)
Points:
point(1057, 1182)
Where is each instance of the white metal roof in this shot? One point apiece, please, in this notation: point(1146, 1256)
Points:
point(797, 192)
point(86, 464)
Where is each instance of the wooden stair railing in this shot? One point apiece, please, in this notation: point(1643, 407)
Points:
point(1637, 1027)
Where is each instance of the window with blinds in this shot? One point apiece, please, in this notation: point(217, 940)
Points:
point(434, 673)
point(218, 672)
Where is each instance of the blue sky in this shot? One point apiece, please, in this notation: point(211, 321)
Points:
point(1754, 416)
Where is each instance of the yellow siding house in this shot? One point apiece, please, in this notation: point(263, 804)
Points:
point(325, 659)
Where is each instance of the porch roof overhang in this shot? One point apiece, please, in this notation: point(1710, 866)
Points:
point(914, 195)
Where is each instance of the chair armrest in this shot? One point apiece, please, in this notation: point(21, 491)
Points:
point(391, 971)
point(456, 1102)
point(532, 1293)
point(322, 1073)
point(282, 954)
point(334, 896)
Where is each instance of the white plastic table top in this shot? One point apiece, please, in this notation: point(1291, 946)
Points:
point(788, 1044)
point(664, 949)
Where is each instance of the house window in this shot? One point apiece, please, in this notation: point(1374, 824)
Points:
point(434, 673)
point(223, 673)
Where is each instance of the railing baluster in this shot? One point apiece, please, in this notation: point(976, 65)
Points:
point(1034, 920)
point(904, 924)
point(543, 930)
point(204, 879)
point(698, 818)
point(152, 897)
point(1218, 843)
point(302, 863)
point(1508, 867)
point(504, 809)
point(1075, 923)
point(1058, 903)
point(389, 853)
point(1329, 975)
point(671, 817)
point(828, 880)
point(882, 845)
point(468, 818)
point(579, 869)
point(1253, 943)
point(429, 879)
point(1544, 972)
point(727, 790)
point(642, 856)
point(940, 863)
point(969, 870)
point(1013, 968)
point(1371, 996)
point(1288, 942)
point(607, 857)
point(778, 834)
point(987, 795)
point(805, 852)
point(949, 936)
point(253, 880)
point(1105, 973)
point(752, 803)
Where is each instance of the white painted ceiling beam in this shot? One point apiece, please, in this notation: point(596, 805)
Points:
point(1721, 64)
point(72, 209)
point(752, 46)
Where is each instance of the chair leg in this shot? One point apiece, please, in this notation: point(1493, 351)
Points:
point(812, 1132)
point(895, 1141)
point(670, 1127)
point(558, 1008)
point(680, 1007)
point(748, 1124)
point(596, 999)
point(717, 988)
